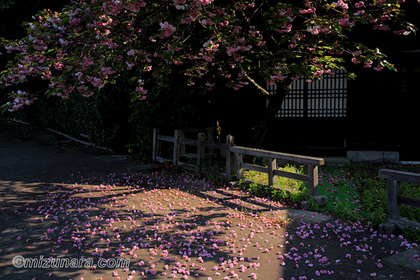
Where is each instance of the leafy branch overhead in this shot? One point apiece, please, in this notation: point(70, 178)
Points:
point(89, 44)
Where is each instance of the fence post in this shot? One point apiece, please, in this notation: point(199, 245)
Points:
point(200, 151)
point(393, 193)
point(176, 147)
point(155, 144)
point(229, 158)
point(238, 158)
point(313, 180)
point(182, 146)
point(272, 165)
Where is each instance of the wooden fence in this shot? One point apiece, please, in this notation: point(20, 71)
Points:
point(271, 170)
point(200, 155)
point(395, 199)
point(234, 159)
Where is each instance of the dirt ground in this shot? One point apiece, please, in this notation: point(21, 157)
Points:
point(69, 211)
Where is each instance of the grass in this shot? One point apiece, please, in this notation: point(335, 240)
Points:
point(284, 189)
point(344, 200)
point(291, 184)
point(354, 192)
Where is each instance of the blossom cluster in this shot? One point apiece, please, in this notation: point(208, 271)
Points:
point(21, 98)
point(89, 44)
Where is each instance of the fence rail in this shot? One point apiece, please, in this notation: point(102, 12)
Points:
point(234, 159)
point(272, 171)
point(395, 199)
point(200, 143)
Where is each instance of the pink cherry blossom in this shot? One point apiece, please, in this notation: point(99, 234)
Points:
point(206, 2)
point(167, 28)
point(341, 4)
point(88, 48)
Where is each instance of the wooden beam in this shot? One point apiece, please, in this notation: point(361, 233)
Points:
point(409, 201)
point(188, 141)
point(200, 152)
point(393, 194)
point(161, 159)
point(238, 158)
point(276, 155)
point(219, 146)
point(176, 148)
point(400, 176)
point(272, 166)
point(165, 138)
point(155, 144)
point(290, 175)
point(313, 180)
point(229, 159)
point(254, 167)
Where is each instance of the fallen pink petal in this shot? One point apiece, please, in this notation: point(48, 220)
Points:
point(184, 226)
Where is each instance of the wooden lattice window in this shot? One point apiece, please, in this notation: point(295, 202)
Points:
point(326, 98)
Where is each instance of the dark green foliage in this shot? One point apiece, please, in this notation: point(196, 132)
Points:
point(111, 119)
point(373, 193)
point(101, 118)
point(14, 12)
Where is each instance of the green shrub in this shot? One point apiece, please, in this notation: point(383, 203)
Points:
point(112, 119)
point(410, 190)
point(102, 117)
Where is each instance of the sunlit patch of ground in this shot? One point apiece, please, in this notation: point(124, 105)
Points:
point(184, 227)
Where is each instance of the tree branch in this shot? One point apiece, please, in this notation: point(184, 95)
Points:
point(263, 90)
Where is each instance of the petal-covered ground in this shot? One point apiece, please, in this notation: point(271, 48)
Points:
point(161, 225)
point(104, 224)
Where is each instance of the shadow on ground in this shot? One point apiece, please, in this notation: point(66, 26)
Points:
point(67, 202)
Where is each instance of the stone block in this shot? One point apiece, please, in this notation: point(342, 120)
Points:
point(304, 204)
point(373, 156)
point(387, 228)
point(320, 200)
point(406, 259)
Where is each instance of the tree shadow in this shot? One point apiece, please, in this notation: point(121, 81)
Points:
point(62, 224)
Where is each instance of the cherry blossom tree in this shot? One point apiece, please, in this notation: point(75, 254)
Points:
point(91, 43)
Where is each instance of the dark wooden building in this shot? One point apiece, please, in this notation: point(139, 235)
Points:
point(379, 111)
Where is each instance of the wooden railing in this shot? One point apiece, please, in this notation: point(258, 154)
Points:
point(395, 199)
point(200, 155)
point(272, 171)
point(234, 159)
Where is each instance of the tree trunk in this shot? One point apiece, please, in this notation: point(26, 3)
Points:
point(259, 131)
